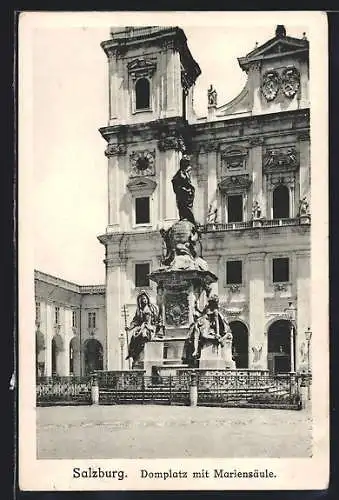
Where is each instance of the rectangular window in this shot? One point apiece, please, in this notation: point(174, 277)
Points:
point(141, 275)
point(234, 208)
point(142, 210)
point(57, 315)
point(91, 320)
point(74, 319)
point(234, 272)
point(281, 271)
point(37, 312)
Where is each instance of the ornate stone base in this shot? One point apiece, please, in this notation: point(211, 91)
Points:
point(212, 357)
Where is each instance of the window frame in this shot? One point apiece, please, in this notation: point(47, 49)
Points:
point(134, 96)
point(138, 224)
point(57, 315)
point(230, 195)
point(91, 315)
point(240, 283)
point(137, 263)
point(280, 257)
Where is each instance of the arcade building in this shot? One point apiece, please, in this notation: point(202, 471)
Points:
point(250, 163)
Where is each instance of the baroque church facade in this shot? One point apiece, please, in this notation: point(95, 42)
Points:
point(250, 163)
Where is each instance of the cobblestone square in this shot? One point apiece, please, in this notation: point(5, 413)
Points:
point(104, 432)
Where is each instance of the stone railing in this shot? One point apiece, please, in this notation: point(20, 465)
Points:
point(256, 223)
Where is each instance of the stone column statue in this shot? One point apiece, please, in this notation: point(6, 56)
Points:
point(184, 190)
point(144, 326)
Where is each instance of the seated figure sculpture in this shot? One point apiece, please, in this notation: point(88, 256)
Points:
point(210, 328)
point(144, 326)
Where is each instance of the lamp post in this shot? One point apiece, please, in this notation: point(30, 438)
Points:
point(122, 342)
point(308, 336)
point(290, 312)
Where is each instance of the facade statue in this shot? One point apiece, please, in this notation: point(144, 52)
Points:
point(212, 97)
point(256, 210)
point(144, 326)
point(184, 190)
point(303, 206)
point(212, 215)
point(257, 351)
point(210, 327)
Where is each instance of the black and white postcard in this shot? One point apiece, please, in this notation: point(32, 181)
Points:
point(173, 233)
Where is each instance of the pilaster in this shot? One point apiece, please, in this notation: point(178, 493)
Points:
point(212, 181)
point(49, 336)
point(257, 339)
point(304, 170)
point(255, 164)
point(303, 299)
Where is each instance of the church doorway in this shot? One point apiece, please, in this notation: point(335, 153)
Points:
point(93, 354)
point(240, 343)
point(279, 347)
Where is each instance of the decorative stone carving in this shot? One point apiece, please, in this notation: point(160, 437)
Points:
point(141, 67)
point(290, 81)
point(142, 185)
point(176, 309)
point(171, 141)
point(115, 150)
point(304, 136)
point(234, 288)
point(283, 158)
point(280, 287)
point(212, 97)
point(270, 85)
point(232, 182)
point(211, 146)
point(256, 141)
point(142, 163)
point(235, 158)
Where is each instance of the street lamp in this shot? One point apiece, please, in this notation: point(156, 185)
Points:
point(122, 342)
point(308, 336)
point(290, 313)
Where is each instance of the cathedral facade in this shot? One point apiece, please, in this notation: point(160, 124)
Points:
point(250, 163)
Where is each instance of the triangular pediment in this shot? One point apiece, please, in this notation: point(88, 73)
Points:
point(140, 63)
point(275, 47)
point(142, 185)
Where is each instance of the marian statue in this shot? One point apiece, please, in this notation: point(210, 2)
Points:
point(184, 190)
point(144, 326)
point(210, 329)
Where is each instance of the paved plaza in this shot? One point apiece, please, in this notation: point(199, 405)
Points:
point(169, 432)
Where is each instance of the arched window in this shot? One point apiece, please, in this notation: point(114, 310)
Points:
point(279, 346)
point(240, 343)
point(93, 356)
point(281, 202)
point(142, 94)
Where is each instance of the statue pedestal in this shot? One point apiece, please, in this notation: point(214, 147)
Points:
point(153, 355)
point(227, 353)
point(212, 357)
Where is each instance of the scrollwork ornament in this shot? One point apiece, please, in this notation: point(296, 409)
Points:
point(270, 85)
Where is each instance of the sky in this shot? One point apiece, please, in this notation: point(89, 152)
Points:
point(70, 104)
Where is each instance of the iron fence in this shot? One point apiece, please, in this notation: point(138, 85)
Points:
point(254, 388)
point(63, 390)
